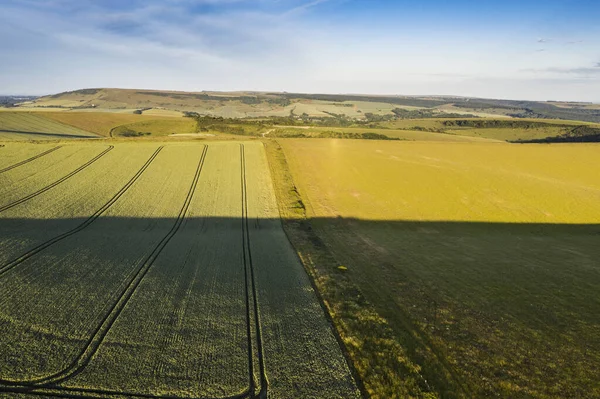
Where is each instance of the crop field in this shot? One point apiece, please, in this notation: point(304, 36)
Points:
point(26, 126)
point(162, 112)
point(505, 129)
point(479, 260)
point(155, 269)
point(103, 123)
point(16, 154)
point(162, 127)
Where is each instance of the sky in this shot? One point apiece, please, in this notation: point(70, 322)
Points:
point(513, 49)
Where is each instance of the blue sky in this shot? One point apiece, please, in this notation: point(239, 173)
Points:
point(524, 49)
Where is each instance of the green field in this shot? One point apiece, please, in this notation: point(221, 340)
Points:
point(491, 128)
point(475, 264)
point(29, 126)
point(399, 134)
point(107, 123)
point(158, 269)
point(164, 127)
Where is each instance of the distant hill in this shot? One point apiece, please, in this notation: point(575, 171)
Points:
point(11, 101)
point(266, 104)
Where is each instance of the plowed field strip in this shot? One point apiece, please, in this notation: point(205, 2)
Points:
point(249, 268)
point(56, 183)
point(100, 332)
point(33, 158)
point(86, 223)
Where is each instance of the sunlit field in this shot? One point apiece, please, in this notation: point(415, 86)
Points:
point(481, 258)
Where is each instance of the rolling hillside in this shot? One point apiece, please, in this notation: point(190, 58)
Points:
point(263, 104)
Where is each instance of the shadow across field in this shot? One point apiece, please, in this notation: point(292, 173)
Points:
point(215, 283)
point(483, 309)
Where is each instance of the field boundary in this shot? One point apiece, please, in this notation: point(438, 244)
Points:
point(11, 264)
point(56, 183)
point(297, 222)
point(350, 313)
point(29, 159)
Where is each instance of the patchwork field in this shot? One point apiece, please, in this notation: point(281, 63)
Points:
point(155, 270)
point(476, 263)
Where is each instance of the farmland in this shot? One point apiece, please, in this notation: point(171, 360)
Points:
point(476, 261)
point(261, 104)
point(103, 123)
point(448, 262)
point(160, 127)
point(157, 269)
point(139, 113)
point(394, 134)
point(27, 126)
point(299, 199)
point(60, 125)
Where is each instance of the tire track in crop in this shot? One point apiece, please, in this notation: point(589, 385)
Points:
point(30, 159)
point(85, 393)
point(48, 386)
point(100, 332)
point(250, 284)
point(56, 183)
point(9, 265)
point(252, 313)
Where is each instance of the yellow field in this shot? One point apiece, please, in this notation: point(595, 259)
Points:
point(482, 260)
point(448, 182)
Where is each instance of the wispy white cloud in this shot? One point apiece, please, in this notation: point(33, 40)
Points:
point(304, 7)
point(574, 72)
